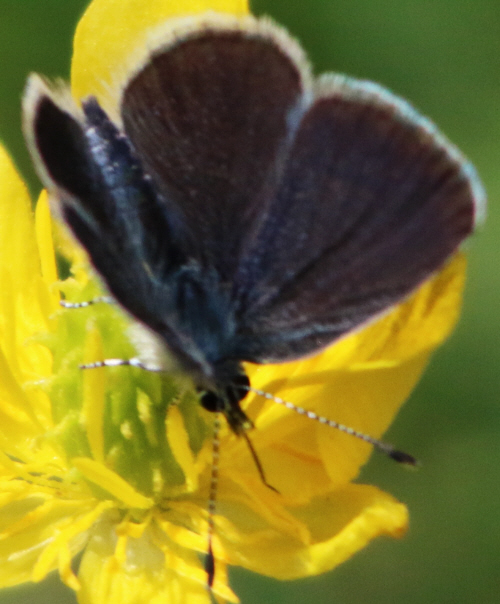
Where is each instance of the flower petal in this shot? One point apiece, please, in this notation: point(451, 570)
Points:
point(133, 570)
point(17, 232)
point(67, 538)
point(314, 523)
point(360, 382)
point(43, 226)
point(339, 524)
point(112, 483)
point(32, 520)
point(26, 303)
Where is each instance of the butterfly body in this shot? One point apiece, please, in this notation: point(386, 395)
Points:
point(244, 211)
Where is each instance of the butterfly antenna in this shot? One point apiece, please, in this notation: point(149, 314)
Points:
point(387, 449)
point(212, 503)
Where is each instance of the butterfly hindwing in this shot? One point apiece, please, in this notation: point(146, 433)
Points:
point(99, 188)
point(372, 201)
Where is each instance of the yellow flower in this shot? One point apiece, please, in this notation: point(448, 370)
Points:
point(116, 462)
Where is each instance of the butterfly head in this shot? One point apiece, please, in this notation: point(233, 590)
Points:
point(224, 396)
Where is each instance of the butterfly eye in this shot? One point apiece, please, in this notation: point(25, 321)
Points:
point(210, 401)
point(236, 391)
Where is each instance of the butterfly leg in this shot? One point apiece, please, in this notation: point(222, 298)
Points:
point(133, 362)
point(98, 300)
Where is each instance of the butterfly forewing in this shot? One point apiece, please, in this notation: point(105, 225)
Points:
point(211, 118)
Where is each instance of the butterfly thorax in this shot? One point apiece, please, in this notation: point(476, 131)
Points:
point(199, 310)
point(202, 315)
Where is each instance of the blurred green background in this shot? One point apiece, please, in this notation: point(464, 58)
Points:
point(444, 56)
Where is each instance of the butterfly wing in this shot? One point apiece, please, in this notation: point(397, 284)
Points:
point(211, 116)
point(102, 193)
point(165, 208)
point(372, 201)
point(318, 215)
point(299, 213)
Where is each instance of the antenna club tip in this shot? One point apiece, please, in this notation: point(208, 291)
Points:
point(404, 458)
point(210, 567)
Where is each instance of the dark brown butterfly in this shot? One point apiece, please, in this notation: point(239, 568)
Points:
point(245, 211)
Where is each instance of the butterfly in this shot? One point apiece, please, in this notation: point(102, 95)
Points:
point(241, 208)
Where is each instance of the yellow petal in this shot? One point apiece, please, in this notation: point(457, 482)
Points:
point(25, 305)
point(111, 482)
point(360, 382)
point(178, 439)
point(138, 571)
point(18, 251)
point(100, 51)
point(339, 524)
point(43, 225)
point(30, 521)
point(418, 325)
point(67, 537)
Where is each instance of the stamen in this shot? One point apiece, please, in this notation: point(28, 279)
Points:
point(387, 449)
